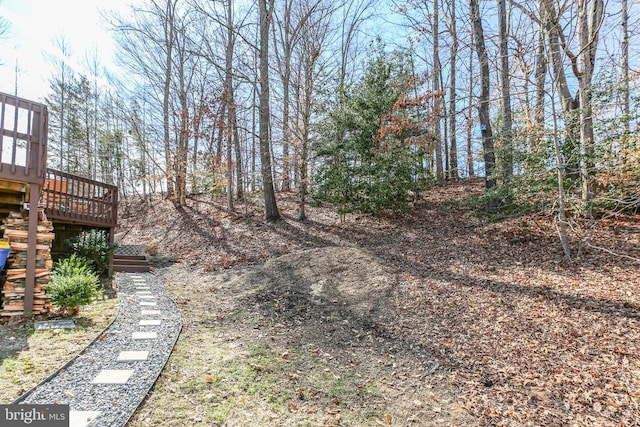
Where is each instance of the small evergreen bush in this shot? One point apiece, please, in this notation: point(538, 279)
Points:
point(73, 283)
point(94, 246)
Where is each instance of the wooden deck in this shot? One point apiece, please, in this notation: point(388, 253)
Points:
point(25, 180)
point(71, 198)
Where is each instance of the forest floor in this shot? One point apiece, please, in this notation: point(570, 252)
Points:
point(428, 318)
point(431, 317)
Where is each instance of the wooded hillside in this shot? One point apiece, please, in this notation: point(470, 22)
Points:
point(362, 102)
point(432, 317)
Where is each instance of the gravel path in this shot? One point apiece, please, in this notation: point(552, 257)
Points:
point(108, 380)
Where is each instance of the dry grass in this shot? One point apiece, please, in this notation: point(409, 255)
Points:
point(28, 356)
point(262, 355)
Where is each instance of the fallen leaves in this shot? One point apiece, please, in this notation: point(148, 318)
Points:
point(488, 312)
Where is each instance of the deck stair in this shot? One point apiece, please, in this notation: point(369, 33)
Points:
point(130, 259)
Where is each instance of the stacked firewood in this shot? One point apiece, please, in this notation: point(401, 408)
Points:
point(16, 232)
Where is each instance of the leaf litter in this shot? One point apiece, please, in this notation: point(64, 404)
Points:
point(426, 318)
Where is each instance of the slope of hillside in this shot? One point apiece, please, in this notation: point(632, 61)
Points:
point(447, 318)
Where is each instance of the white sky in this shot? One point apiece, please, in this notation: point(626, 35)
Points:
point(34, 26)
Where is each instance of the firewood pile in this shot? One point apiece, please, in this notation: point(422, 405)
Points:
point(16, 232)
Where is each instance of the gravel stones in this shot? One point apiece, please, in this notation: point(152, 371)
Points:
point(100, 380)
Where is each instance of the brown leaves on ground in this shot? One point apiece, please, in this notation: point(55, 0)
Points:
point(488, 313)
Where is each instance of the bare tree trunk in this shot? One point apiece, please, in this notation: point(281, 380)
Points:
point(562, 217)
point(229, 102)
point(505, 81)
point(254, 184)
point(182, 146)
point(229, 172)
point(453, 53)
point(271, 209)
point(483, 108)
point(540, 78)
point(238, 150)
point(437, 73)
point(304, 140)
point(311, 56)
point(285, 72)
point(569, 104)
point(470, 168)
point(166, 100)
point(590, 14)
point(626, 101)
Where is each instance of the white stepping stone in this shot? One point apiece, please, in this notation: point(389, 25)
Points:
point(131, 356)
point(150, 312)
point(147, 296)
point(143, 292)
point(143, 288)
point(148, 303)
point(150, 322)
point(113, 376)
point(82, 418)
point(144, 335)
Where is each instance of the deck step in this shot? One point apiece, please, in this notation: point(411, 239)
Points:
point(130, 263)
point(131, 268)
point(138, 258)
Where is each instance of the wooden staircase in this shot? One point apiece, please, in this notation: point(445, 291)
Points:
point(130, 259)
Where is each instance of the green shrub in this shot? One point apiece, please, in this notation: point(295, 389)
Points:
point(94, 246)
point(72, 266)
point(69, 292)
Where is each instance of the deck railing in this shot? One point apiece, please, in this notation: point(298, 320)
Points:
point(66, 197)
point(23, 139)
point(23, 157)
point(73, 198)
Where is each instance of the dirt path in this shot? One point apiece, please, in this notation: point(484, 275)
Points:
point(301, 340)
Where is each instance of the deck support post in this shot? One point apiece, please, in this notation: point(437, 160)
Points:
point(30, 282)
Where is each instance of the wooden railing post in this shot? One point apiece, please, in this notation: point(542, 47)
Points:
point(30, 281)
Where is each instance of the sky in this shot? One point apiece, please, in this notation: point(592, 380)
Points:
point(35, 24)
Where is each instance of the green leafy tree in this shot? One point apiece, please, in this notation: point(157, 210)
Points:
point(372, 143)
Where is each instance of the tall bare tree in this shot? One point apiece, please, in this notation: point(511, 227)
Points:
point(452, 171)
point(505, 90)
point(286, 34)
point(590, 16)
point(229, 101)
point(352, 16)
point(484, 101)
point(586, 25)
point(540, 76)
point(168, 21)
point(626, 95)
point(470, 102)
point(59, 101)
point(184, 74)
point(312, 42)
point(437, 86)
point(270, 205)
point(147, 49)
